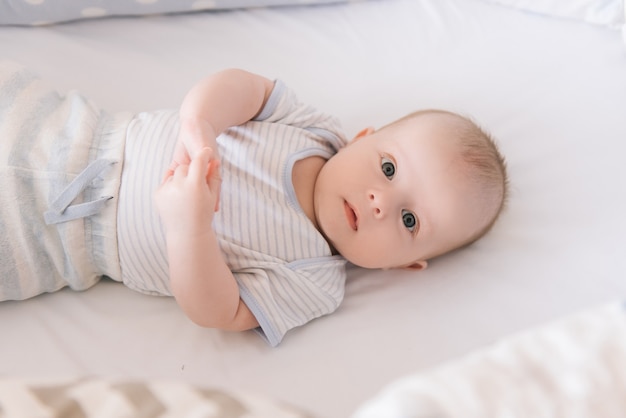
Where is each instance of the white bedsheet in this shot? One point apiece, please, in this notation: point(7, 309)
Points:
point(552, 91)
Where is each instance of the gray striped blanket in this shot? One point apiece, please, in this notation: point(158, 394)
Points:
point(92, 398)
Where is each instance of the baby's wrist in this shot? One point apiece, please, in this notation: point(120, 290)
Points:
point(179, 236)
point(201, 133)
point(197, 125)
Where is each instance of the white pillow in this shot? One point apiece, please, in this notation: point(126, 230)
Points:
point(600, 12)
point(44, 12)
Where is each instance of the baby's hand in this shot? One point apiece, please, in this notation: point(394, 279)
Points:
point(194, 134)
point(189, 195)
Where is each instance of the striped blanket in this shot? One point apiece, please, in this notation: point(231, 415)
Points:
point(92, 398)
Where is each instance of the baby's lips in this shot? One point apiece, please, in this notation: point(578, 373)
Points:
point(351, 216)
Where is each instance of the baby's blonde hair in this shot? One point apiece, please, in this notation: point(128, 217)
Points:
point(485, 165)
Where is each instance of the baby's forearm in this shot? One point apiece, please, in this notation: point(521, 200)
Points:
point(203, 285)
point(201, 282)
point(222, 100)
point(227, 98)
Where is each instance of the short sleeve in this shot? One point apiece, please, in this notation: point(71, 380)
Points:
point(283, 297)
point(283, 265)
point(283, 107)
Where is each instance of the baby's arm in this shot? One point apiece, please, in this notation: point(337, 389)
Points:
point(201, 282)
point(222, 100)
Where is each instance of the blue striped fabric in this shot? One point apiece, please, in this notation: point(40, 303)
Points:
point(46, 140)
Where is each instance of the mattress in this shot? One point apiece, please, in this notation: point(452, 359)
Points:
point(551, 90)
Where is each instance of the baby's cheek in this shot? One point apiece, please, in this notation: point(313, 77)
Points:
point(377, 251)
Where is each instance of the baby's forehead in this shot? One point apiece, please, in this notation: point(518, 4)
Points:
point(431, 123)
point(438, 132)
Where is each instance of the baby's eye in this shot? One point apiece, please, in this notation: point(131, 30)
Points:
point(409, 220)
point(388, 167)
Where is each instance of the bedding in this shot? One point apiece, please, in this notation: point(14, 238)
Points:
point(609, 13)
point(552, 91)
point(574, 367)
point(46, 12)
point(92, 397)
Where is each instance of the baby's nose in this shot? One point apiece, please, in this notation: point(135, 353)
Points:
point(377, 204)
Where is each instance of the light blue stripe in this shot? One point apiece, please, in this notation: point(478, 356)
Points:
point(329, 136)
point(267, 330)
point(60, 209)
point(287, 176)
point(272, 102)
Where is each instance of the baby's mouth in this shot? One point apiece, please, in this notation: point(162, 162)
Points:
point(353, 220)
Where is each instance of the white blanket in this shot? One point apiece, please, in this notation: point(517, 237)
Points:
point(572, 368)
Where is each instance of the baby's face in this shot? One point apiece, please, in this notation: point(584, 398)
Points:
point(396, 197)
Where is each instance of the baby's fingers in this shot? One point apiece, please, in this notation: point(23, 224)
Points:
point(168, 175)
point(205, 169)
point(214, 180)
point(199, 164)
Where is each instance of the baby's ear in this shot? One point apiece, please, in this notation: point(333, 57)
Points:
point(418, 265)
point(363, 133)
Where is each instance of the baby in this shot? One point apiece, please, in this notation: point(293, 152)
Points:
point(244, 205)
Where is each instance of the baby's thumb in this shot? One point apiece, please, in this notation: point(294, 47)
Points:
point(199, 164)
point(214, 180)
point(213, 177)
